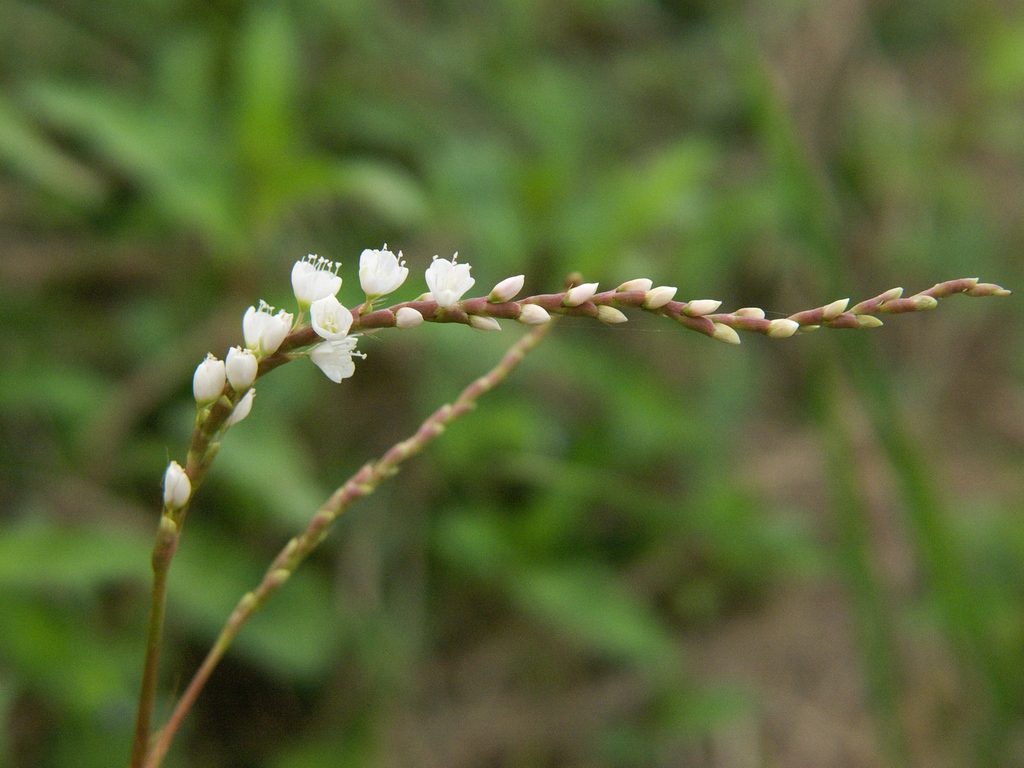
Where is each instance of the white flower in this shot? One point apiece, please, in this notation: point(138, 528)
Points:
point(407, 317)
point(241, 410)
point(334, 357)
point(448, 281)
point(313, 278)
point(381, 272)
point(208, 380)
point(532, 314)
point(329, 318)
point(264, 331)
point(579, 294)
point(177, 486)
point(241, 366)
point(506, 289)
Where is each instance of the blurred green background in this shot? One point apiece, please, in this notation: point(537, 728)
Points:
point(647, 548)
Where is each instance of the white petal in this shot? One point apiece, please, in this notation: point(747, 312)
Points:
point(334, 358)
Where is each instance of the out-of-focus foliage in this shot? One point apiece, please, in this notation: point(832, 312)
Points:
point(646, 549)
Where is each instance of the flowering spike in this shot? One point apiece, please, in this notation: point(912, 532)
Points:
point(507, 289)
point(610, 315)
point(531, 314)
point(381, 272)
point(639, 284)
point(177, 486)
point(658, 297)
point(241, 367)
point(725, 333)
point(701, 307)
point(314, 278)
point(447, 280)
point(407, 317)
point(579, 294)
point(208, 380)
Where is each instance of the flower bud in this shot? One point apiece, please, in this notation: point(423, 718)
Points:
point(660, 296)
point(782, 328)
point(484, 323)
point(924, 302)
point(608, 314)
point(506, 289)
point(208, 380)
point(868, 321)
point(639, 284)
point(177, 486)
point(755, 312)
point(241, 367)
point(241, 410)
point(835, 309)
point(726, 333)
point(407, 317)
point(581, 293)
point(701, 307)
point(532, 314)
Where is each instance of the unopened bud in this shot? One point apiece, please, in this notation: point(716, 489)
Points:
point(660, 296)
point(639, 284)
point(608, 314)
point(576, 296)
point(924, 302)
point(407, 317)
point(532, 314)
point(241, 367)
point(241, 410)
point(726, 333)
point(701, 307)
point(755, 312)
point(208, 380)
point(483, 323)
point(835, 309)
point(782, 328)
point(177, 486)
point(891, 294)
point(868, 321)
point(506, 289)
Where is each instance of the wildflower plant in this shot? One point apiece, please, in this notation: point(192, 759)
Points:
point(224, 391)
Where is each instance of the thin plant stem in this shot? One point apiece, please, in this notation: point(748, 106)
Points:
point(163, 551)
point(361, 484)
